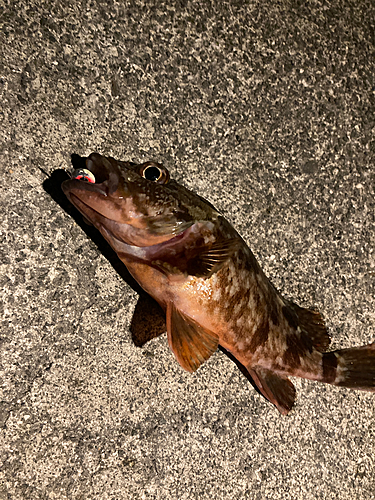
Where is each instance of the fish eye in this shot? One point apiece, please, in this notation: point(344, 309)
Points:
point(154, 173)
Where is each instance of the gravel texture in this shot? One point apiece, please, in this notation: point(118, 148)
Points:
point(268, 110)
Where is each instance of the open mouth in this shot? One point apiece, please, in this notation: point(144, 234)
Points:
point(91, 169)
point(96, 174)
point(97, 169)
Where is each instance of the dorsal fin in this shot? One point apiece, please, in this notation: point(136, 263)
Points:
point(190, 342)
point(310, 322)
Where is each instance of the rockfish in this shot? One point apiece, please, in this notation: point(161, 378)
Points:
point(186, 256)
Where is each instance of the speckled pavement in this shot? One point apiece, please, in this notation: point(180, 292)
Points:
point(267, 109)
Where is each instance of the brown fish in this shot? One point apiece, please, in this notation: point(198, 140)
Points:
point(203, 275)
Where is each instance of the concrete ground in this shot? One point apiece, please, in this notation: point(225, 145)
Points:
point(265, 108)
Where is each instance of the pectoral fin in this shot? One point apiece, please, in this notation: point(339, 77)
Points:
point(209, 261)
point(278, 390)
point(190, 342)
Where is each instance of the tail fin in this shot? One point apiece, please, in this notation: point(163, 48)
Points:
point(353, 367)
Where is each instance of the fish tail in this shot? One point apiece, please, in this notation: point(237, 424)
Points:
point(353, 367)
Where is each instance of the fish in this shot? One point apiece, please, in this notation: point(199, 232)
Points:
point(209, 290)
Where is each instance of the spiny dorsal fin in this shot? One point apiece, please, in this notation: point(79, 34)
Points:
point(278, 390)
point(190, 342)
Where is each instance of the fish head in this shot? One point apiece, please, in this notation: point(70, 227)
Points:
point(137, 204)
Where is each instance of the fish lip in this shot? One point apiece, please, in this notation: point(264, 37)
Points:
point(106, 170)
point(74, 186)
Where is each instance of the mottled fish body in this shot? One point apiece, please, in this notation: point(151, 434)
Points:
point(184, 253)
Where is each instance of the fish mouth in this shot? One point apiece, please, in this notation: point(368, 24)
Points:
point(93, 183)
point(90, 213)
point(96, 186)
point(100, 175)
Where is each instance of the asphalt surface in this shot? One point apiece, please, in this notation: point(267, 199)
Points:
point(267, 109)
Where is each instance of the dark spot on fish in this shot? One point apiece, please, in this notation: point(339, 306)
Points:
point(230, 303)
point(306, 343)
point(291, 356)
point(297, 347)
point(290, 316)
point(260, 336)
point(329, 367)
point(268, 304)
point(256, 300)
point(273, 313)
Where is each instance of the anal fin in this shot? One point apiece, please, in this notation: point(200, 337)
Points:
point(277, 389)
point(190, 342)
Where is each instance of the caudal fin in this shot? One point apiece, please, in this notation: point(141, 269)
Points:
point(353, 367)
